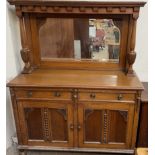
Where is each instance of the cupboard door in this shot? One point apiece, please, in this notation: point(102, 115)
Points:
point(107, 125)
point(46, 123)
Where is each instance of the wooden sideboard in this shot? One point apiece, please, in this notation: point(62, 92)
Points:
point(77, 91)
point(70, 110)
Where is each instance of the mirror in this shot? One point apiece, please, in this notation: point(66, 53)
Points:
point(104, 38)
point(80, 38)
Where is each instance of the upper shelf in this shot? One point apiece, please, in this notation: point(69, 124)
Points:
point(75, 2)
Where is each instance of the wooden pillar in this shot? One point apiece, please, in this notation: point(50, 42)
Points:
point(131, 55)
point(25, 51)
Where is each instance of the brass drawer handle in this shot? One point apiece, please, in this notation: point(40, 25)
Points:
point(120, 97)
point(29, 94)
point(79, 127)
point(57, 94)
point(92, 95)
point(71, 126)
point(75, 96)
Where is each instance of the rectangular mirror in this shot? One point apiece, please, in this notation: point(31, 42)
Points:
point(80, 38)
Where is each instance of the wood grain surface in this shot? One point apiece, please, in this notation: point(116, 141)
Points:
point(77, 78)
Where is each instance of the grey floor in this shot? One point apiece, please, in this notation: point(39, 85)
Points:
point(14, 151)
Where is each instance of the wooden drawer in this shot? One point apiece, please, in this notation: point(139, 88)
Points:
point(43, 94)
point(111, 96)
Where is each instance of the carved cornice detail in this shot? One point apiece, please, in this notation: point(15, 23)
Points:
point(43, 8)
point(18, 11)
point(82, 9)
point(30, 8)
point(56, 9)
point(122, 9)
point(85, 9)
point(95, 9)
point(69, 9)
point(109, 9)
point(136, 9)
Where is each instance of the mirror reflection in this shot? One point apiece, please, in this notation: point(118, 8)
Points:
point(81, 39)
point(104, 39)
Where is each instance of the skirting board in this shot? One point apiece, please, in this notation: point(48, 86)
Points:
point(47, 148)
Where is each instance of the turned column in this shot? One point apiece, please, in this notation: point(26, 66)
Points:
point(131, 55)
point(25, 51)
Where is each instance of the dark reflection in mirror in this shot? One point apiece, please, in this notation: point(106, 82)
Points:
point(74, 38)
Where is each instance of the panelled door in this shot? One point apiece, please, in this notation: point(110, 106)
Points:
point(46, 123)
point(105, 125)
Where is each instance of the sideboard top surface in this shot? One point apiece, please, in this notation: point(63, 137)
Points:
point(77, 79)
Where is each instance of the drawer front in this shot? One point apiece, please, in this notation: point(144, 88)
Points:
point(43, 94)
point(94, 96)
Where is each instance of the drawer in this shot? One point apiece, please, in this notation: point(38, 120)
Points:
point(90, 96)
point(43, 94)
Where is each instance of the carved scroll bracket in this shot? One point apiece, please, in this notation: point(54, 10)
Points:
point(124, 114)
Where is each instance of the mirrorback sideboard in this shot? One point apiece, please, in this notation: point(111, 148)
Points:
point(78, 90)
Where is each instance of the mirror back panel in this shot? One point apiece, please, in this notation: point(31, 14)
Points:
point(89, 42)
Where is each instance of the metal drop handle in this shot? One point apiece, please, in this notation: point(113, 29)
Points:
point(71, 126)
point(120, 97)
point(57, 94)
point(29, 94)
point(79, 127)
point(92, 95)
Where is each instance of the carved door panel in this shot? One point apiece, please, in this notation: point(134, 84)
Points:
point(46, 123)
point(107, 125)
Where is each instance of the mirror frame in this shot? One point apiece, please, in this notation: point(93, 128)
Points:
point(79, 64)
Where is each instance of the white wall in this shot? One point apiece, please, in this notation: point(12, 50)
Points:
point(141, 64)
point(14, 63)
